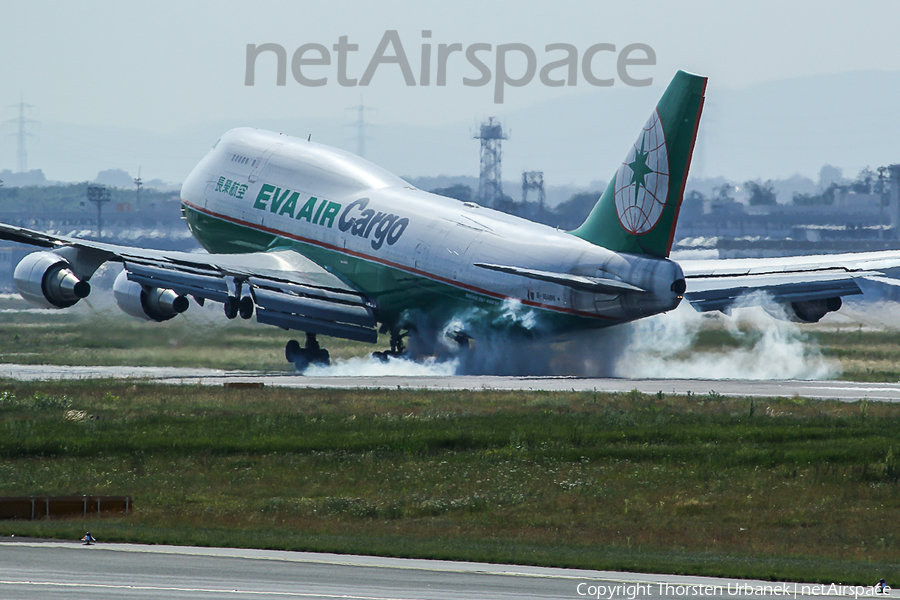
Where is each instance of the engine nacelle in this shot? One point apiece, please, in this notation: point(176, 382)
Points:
point(46, 279)
point(811, 311)
point(148, 303)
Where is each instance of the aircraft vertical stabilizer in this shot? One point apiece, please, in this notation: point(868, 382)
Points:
point(638, 210)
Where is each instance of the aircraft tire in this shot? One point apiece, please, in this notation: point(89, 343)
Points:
point(304, 357)
point(231, 307)
point(245, 307)
point(321, 357)
point(291, 350)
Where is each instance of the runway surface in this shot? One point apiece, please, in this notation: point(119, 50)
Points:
point(55, 570)
point(838, 390)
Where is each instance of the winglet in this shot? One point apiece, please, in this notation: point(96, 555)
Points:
point(638, 211)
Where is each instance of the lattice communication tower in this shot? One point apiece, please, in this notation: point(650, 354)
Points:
point(490, 186)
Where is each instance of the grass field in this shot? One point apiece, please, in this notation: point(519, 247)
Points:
point(778, 489)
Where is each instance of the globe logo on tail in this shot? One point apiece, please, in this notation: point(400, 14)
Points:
point(642, 181)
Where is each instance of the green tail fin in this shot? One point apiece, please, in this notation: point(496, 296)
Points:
point(639, 208)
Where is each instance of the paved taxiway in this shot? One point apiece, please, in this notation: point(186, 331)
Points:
point(838, 390)
point(51, 570)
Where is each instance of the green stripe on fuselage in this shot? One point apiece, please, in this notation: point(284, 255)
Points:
point(395, 290)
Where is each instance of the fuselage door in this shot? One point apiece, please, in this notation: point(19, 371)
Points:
point(260, 163)
point(207, 193)
point(421, 255)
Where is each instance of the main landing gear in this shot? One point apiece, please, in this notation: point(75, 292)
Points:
point(310, 354)
point(239, 304)
point(398, 348)
point(460, 337)
point(235, 307)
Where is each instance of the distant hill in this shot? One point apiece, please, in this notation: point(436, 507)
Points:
point(769, 130)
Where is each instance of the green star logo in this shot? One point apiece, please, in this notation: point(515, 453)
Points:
point(639, 170)
point(642, 180)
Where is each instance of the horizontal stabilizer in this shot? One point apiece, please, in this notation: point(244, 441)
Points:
point(582, 283)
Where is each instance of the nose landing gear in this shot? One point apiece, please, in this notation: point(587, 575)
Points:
point(310, 354)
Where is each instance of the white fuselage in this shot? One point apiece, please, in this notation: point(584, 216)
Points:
point(375, 230)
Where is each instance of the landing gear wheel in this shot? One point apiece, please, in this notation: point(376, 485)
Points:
point(310, 354)
point(245, 307)
point(231, 307)
point(291, 350)
point(398, 348)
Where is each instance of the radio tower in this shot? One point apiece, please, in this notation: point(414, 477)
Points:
point(361, 127)
point(534, 180)
point(490, 187)
point(22, 122)
point(138, 182)
point(99, 195)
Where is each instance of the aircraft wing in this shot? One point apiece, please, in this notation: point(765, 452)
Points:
point(716, 284)
point(288, 289)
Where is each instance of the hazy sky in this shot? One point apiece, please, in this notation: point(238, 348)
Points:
point(167, 66)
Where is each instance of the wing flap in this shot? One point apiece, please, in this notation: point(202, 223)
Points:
point(321, 304)
point(310, 325)
point(353, 314)
point(349, 319)
point(184, 283)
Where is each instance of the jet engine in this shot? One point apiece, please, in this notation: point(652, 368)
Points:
point(804, 311)
point(811, 311)
point(46, 279)
point(148, 303)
